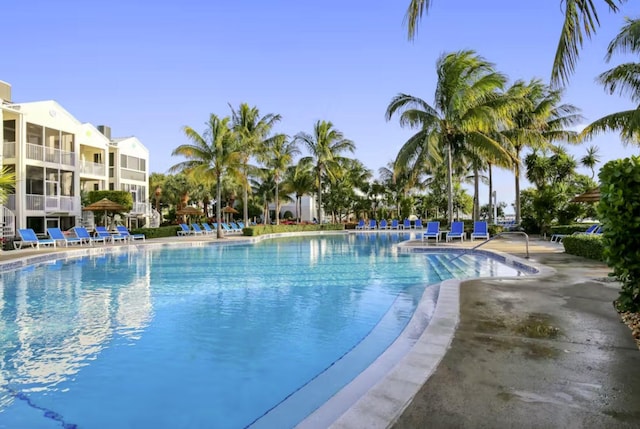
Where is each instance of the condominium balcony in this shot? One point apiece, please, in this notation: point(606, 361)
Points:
point(46, 203)
point(49, 154)
point(141, 208)
point(92, 168)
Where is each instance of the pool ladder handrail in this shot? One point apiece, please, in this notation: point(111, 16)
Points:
point(504, 233)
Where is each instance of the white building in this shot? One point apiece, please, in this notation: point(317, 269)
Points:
point(55, 157)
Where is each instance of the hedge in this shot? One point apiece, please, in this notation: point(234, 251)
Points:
point(163, 231)
point(588, 246)
point(253, 231)
point(570, 229)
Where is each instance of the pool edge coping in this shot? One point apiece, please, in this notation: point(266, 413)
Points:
point(384, 403)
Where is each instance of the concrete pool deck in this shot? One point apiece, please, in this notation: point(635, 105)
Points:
point(533, 352)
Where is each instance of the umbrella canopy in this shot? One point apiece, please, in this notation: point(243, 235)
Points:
point(189, 211)
point(229, 209)
point(591, 196)
point(104, 205)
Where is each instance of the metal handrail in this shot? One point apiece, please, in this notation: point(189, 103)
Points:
point(507, 232)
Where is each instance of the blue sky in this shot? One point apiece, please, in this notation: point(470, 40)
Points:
point(148, 69)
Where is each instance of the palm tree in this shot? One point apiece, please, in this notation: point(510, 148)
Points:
point(538, 123)
point(579, 16)
point(299, 181)
point(251, 131)
point(277, 155)
point(467, 111)
point(7, 183)
point(325, 146)
point(591, 159)
point(624, 79)
point(210, 156)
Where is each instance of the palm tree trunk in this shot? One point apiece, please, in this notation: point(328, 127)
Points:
point(517, 174)
point(245, 204)
point(277, 205)
point(449, 183)
point(219, 232)
point(319, 196)
point(476, 194)
point(491, 217)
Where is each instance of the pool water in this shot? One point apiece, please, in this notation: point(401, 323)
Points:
point(201, 337)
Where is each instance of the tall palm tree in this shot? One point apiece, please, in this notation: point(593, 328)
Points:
point(210, 156)
point(538, 123)
point(251, 130)
point(277, 155)
point(591, 159)
point(468, 109)
point(624, 79)
point(579, 16)
point(325, 146)
point(299, 181)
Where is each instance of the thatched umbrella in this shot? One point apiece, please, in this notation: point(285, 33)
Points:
point(592, 196)
point(189, 211)
point(227, 210)
point(104, 205)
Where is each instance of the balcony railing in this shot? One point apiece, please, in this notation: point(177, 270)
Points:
point(9, 149)
point(48, 154)
point(52, 204)
point(141, 208)
point(132, 175)
point(92, 168)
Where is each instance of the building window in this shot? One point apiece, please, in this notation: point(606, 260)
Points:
point(35, 180)
point(9, 131)
point(34, 134)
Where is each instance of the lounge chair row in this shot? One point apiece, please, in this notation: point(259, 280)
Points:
point(206, 229)
point(394, 224)
point(480, 230)
point(28, 237)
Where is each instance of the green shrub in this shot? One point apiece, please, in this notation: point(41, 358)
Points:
point(253, 231)
point(163, 231)
point(588, 246)
point(619, 214)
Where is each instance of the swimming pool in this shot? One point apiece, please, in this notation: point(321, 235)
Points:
point(209, 336)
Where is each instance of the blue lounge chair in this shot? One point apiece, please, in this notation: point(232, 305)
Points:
point(373, 224)
point(480, 230)
point(418, 224)
point(207, 229)
point(28, 237)
point(383, 224)
point(185, 230)
point(102, 231)
point(406, 224)
point(83, 234)
point(58, 236)
point(122, 230)
point(433, 231)
point(394, 224)
point(196, 229)
point(457, 231)
point(361, 224)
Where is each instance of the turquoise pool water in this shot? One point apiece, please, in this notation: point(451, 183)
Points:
point(204, 337)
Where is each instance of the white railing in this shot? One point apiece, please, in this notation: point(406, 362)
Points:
point(8, 223)
point(9, 149)
point(92, 168)
point(141, 208)
point(132, 175)
point(41, 153)
point(52, 204)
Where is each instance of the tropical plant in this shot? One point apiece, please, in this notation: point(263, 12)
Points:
point(579, 16)
point(539, 122)
point(156, 183)
point(325, 146)
point(251, 131)
point(467, 112)
point(619, 214)
point(299, 180)
point(591, 159)
point(210, 156)
point(624, 79)
point(7, 182)
point(277, 155)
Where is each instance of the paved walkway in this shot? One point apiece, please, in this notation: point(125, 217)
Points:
point(535, 353)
